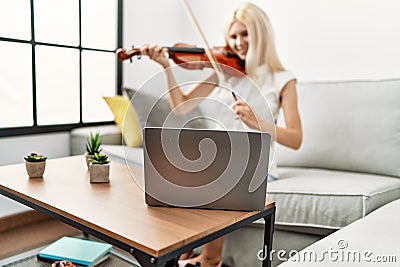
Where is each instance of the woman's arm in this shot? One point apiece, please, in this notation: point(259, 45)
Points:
point(292, 134)
point(179, 101)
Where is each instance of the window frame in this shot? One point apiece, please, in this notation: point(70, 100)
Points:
point(35, 128)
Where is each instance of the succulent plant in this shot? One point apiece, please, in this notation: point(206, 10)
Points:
point(93, 144)
point(99, 158)
point(33, 157)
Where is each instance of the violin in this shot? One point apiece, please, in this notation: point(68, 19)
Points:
point(195, 58)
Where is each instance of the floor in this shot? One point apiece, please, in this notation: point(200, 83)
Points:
point(23, 235)
point(33, 234)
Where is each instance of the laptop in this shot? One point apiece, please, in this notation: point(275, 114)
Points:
point(203, 168)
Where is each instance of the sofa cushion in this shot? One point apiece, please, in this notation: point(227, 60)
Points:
point(154, 111)
point(371, 241)
point(351, 126)
point(78, 137)
point(308, 199)
point(125, 155)
point(328, 199)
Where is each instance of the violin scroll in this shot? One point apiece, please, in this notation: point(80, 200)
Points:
point(124, 55)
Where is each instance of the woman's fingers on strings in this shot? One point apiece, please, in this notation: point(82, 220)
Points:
point(155, 51)
point(145, 49)
point(158, 49)
point(150, 51)
point(164, 50)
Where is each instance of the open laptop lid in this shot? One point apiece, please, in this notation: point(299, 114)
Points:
point(205, 168)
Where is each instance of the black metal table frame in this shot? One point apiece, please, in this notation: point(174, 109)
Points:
point(169, 259)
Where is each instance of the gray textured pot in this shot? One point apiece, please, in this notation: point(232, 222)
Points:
point(35, 169)
point(99, 173)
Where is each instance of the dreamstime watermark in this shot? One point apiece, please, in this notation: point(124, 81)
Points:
point(339, 254)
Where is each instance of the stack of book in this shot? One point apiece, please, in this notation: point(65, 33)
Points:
point(78, 251)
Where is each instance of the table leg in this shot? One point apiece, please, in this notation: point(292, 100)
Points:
point(172, 263)
point(146, 260)
point(268, 236)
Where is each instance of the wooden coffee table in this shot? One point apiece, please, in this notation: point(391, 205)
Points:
point(116, 212)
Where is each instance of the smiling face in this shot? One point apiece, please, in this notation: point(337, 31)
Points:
point(238, 39)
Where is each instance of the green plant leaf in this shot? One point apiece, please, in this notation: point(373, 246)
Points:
point(34, 157)
point(99, 158)
point(94, 143)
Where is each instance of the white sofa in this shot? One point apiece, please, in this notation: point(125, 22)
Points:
point(370, 241)
point(347, 166)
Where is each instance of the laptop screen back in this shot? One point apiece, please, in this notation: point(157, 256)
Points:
point(205, 168)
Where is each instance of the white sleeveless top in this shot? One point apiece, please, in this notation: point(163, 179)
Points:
point(265, 101)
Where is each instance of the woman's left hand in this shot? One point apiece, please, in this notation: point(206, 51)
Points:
point(246, 114)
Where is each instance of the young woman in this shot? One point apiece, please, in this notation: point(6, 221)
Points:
point(249, 35)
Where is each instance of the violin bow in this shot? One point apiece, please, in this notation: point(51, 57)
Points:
point(213, 61)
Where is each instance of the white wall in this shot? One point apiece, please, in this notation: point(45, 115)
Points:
point(316, 39)
point(13, 150)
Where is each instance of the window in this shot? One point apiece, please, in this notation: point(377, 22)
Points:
point(57, 61)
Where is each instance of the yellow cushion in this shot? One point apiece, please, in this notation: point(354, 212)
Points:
point(125, 118)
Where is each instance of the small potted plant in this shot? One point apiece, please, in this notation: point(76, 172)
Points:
point(99, 168)
point(35, 165)
point(93, 146)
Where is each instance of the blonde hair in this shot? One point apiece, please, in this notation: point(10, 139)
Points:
point(262, 49)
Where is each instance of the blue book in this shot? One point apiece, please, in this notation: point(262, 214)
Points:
point(78, 251)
